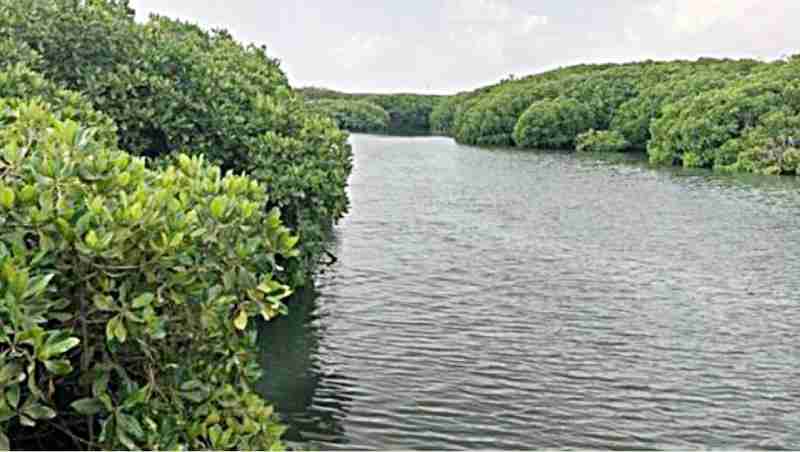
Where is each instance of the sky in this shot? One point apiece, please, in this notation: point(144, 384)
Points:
point(448, 46)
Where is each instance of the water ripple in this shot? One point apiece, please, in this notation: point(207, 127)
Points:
point(493, 299)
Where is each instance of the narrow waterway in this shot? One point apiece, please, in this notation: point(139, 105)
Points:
point(523, 300)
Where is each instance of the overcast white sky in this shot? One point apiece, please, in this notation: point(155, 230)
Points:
point(445, 46)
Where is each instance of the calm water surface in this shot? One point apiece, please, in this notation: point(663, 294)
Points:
point(518, 300)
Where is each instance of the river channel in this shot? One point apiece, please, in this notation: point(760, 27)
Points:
point(493, 298)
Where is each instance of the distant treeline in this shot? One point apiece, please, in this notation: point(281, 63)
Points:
point(375, 113)
point(732, 115)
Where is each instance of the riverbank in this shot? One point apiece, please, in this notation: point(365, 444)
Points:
point(728, 115)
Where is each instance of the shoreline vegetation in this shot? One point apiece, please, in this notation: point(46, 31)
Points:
point(394, 114)
point(162, 188)
point(722, 114)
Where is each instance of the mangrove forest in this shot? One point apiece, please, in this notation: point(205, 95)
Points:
point(729, 115)
point(166, 196)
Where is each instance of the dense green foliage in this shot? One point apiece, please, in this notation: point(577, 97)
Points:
point(18, 85)
point(725, 114)
point(553, 124)
point(489, 116)
point(444, 114)
point(124, 291)
point(148, 173)
point(354, 115)
point(408, 113)
point(601, 141)
point(171, 87)
point(749, 124)
point(15, 52)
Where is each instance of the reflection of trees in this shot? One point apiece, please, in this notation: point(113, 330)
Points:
point(312, 402)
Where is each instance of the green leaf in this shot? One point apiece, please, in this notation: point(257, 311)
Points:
point(274, 218)
point(115, 328)
point(4, 443)
point(60, 367)
point(151, 424)
point(143, 300)
point(87, 406)
point(225, 441)
point(100, 383)
point(215, 434)
point(289, 241)
point(7, 197)
point(12, 396)
point(91, 239)
point(136, 398)
point(20, 282)
point(131, 425)
point(184, 161)
point(218, 206)
point(241, 321)
point(104, 429)
point(107, 402)
point(38, 411)
point(11, 373)
point(60, 347)
point(104, 303)
point(38, 285)
point(125, 439)
point(6, 412)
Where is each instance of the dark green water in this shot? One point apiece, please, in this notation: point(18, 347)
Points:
point(525, 300)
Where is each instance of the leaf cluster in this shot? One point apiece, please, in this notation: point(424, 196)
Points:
point(173, 87)
point(601, 141)
point(354, 115)
point(125, 292)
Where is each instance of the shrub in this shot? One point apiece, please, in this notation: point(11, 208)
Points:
point(443, 116)
point(696, 130)
point(553, 124)
point(491, 121)
point(408, 113)
point(490, 115)
point(14, 52)
point(771, 148)
point(601, 141)
point(634, 117)
point(125, 293)
point(19, 85)
point(173, 87)
point(354, 115)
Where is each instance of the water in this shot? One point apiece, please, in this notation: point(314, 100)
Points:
point(523, 300)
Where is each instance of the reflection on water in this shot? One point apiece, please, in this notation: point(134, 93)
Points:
point(509, 299)
point(308, 393)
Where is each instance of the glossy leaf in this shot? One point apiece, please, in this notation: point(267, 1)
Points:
point(88, 406)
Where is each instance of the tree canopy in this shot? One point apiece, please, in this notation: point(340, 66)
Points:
point(733, 115)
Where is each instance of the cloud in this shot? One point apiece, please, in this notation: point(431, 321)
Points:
point(451, 45)
point(493, 15)
point(529, 23)
point(361, 48)
point(491, 30)
point(631, 36)
point(693, 16)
